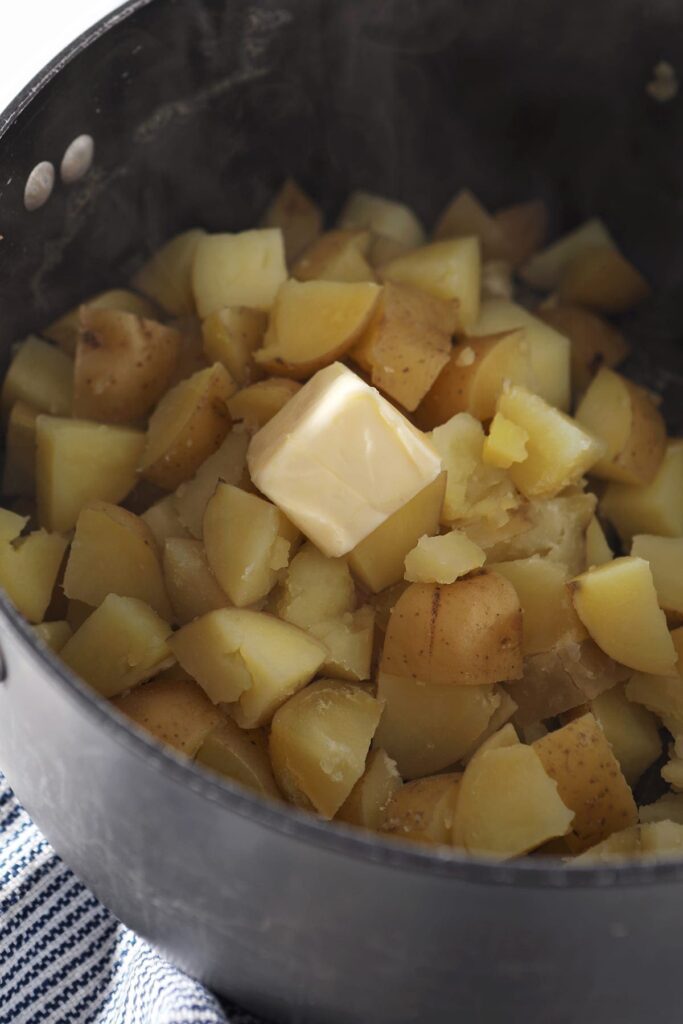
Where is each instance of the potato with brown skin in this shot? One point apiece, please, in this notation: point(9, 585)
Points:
point(191, 586)
point(601, 278)
point(656, 507)
point(241, 755)
point(467, 633)
point(465, 215)
point(175, 711)
point(297, 216)
point(382, 216)
point(449, 269)
point(594, 341)
point(423, 811)
point(589, 781)
point(65, 330)
point(191, 358)
point(231, 336)
point(227, 465)
point(367, 801)
point(556, 529)
point(631, 731)
point(525, 226)
point(339, 255)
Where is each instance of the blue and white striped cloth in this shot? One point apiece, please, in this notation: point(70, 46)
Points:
point(64, 959)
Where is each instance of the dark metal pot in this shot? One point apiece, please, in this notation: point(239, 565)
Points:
point(198, 111)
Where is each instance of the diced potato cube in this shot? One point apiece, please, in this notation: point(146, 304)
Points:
point(631, 732)
point(191, 585)
point(449, 269)
point(28, 571)
point(423, 811)
point(315, 588)
point(367, 801)
point(79, 462)
point(555, 528)
point(545, 269)
point(541, 586)
point(425, 727)
point(41, 376)
point(336, 256)
point(465, 215)
point(319, 741)
point(175, 711)
point(598, 550)
point(497, 730)
point(496, 280)
point(19, 471)
point(657, 839)
point(559, 450)
point(245, 269)
point(349, 642)
point(231, 336)
point(54, 634)
point(312, 323)
point(661, 695)
point(122, 643)
point(241, 755)
point(460, 443)
point(256, 404)
point(378, 561)
point(247, 542)
point(617, 603)
point(443, 559)
point(66, 329)
point(189, 424)
point(11, 524)
point(167, 275)
point(297, 216)
point(164, 522)
point(665, 557)
point(113, 552)
point(603, 279)
point(228, 464)
point(655, 508)
point(594, 342)
point(248, 659)
point(467, 633)
point(525, 226)
point(383, 217)
point(668, 808)
point(508, 804)
point(506, 443)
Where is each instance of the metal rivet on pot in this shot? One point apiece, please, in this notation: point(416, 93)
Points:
point(77, 159)
point(39, 185)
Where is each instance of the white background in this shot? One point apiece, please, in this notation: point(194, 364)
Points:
point(33, 31)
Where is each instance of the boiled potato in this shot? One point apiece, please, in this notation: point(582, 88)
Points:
point(54, 634)
point(228, 464)
point(164, 522)
point(247, 541)
point(598, 550)
point(467, 633)
point(603, 279)
point(594, 341)
point(423, 810)
point(384, 602)
point(78, 462)
point(11, 524)
point(465, 215)
point(443, 559)
point(672, 772)
point(175, 711)
point(191, 358)
point(496, 280)
point(66, 329)
point(245, 269)
point(548, 352)
point(426, 728)
point(41, 376)
point(167, 276)
point(525, 226)
point(668, 808)
point(336, 256)
point(188, 425)
point(19, 470)
point(382, 216)
point(665, 558)
point(297, 216)
point(507, 804)
point(349, 640)
point(541, 587)
point(28, 571)
point(449, 269)
point(113, 552)
point(312, 323)
point(617, 603)
point(589, 781)
point(661, 695)
point(122, 643)
point(497, 729)
point(624, 417)
point(231, 336)
point(76, 614)
point(555, 529)
point(559, 450)
point(123, 365)
point(474, 376)
point(241, 755)
point(631, 732)
point(505, 444)
point(366, 803)
point(655, 508)
point(657, 839)
point(383, 249)
point(378, 561)
point(249, 660)
point(191, 585)
point(319, 741)
point(315, 588)
point(256, 404)
point(545, 269)
point(407, 343)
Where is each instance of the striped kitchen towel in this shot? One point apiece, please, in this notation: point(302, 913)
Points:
point(64, 959)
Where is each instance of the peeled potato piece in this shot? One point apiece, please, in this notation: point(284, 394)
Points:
point(631, 732)
point(506, 443)
point(449, 269)
point(227, 464)
point(545, 269)
point(19, 470)
point(231, 336)
point(65, 330)
point(382, 216)
point(598, 550)
point(175, 711)
point(443, 559)
point(54, 634)
point(665, 558)
point(594, 341)
point(349, 641)
point(41, 376)
point(297, 216)
point(464, 216)
point(336, 256)
point(603, 279)
point(423, 810)
point(366, 803)
point(656, 507)
point(241, 755)
point(167, 276)
point(29, 568)
point(525, 226)
point(191, 585)
point(256, 404)
point(164, 522)
point(315, 588)
point(656, 839)
point(319, 742)
point(244, 269)
point(661, 695)
point(548, 614)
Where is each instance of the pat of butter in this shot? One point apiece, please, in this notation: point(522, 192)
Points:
point(338, 459)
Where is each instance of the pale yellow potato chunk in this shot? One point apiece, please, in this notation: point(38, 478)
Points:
point(41, 376)
point(11, 524)
point(382, 249)
point(54, 634)
point(241, 755)
point(247, 541)
point(113, 552)
point(617, 603)
point(228, 464)
point(443, 559)
point(167, 275)
point(598, 550)
point(231, 336)
point(191, 357)
point(631, 732)
point(500, 731)
point(672, 772)
point(164, 522)
point(661, 695)
point(505, 444)
point(655, 508)
point(378, 561)
point(555, 528)
point(247, 659)
point(65, 330)
point(603, 279)
point(298, 217)
point(189, 424)
point(349, 641)
point(244, 269)
point(668, 808)
point(191, 585)
point(382, 216)
point(661, 839)
point(594, 341)
point(449, 269)
point(467, 633)
point(369, 798)
point(589, 781)
point(256, 404)
point(78, 462)
point(19, 470)
point(312, 323)
point(336, 256)
point(559, 450)
point(425, 727)
point(624, 417)
point(544, 270)
point(315, 588)
point(465, 215)
point(507, 804)
point(549, 616)
point(175, 711)
point(120, 644)
point(319, 741)
point(665, 558)
point(496, 280)
point(525, 226)
point(423, 811)
point(28, 571)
